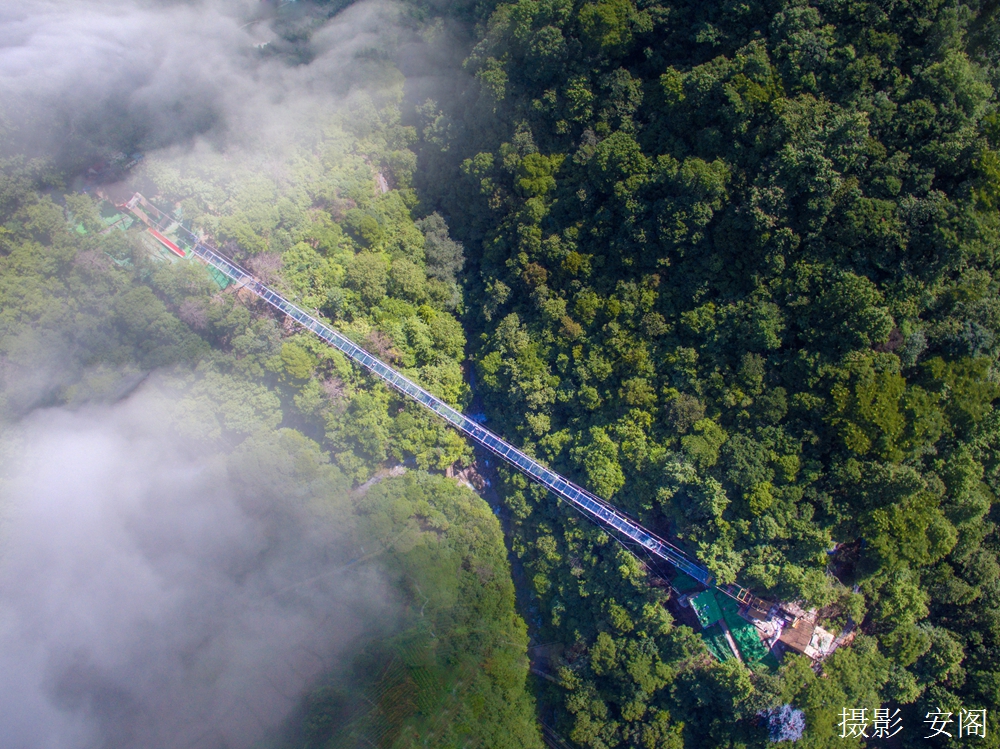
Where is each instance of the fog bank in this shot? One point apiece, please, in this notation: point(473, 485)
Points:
point(144, 604)
point(77, 77)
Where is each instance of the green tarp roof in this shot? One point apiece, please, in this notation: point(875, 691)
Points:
point(711, 609)
point(745, 634)
point(748, 641)
point(707, 608)
point(716, 642)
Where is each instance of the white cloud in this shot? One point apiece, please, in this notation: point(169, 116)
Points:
point(144, 604)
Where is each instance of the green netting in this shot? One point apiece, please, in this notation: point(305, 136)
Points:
point(706, 607)
point(749, 642)
point(716, 642)
point(745, 634)
point(220, 278)
point(684, 584)
point(731, 612)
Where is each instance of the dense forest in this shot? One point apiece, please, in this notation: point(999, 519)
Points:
point(730, 266)
point(88, 314)
point(735, 269)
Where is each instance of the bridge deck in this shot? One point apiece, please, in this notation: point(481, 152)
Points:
point(579, 497)
point(593, 506)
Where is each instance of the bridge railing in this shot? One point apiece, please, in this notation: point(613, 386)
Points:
point(579, 497)
point(582, 499)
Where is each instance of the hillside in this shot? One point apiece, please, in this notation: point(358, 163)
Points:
point(94, 321)
point(735, 269)
point(732, 267)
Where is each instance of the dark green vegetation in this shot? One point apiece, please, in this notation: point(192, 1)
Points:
point(322, 232)
point(85, 315)
point(735, 268)
point(731, 266)
point(458, 669)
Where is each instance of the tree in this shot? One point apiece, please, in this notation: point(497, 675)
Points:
point(599, 457)
point(368, 275)
point(444, 256)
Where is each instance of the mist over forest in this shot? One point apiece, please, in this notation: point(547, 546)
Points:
point(730, 267)
point(155, 595)
point(84, 77)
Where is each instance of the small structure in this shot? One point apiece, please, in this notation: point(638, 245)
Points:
point(706, 608)
point(797, 635)
point(169, 233)
point(805, 637)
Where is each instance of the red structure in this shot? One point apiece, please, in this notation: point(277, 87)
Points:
point(167, 243)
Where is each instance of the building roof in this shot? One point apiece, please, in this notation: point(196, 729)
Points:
point(706, 607)
point(797, 635)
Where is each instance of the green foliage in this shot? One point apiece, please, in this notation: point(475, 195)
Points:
point(702, 445)
point(535, 174)
point(599, 457)
point(851, 675)
point(750, 292)
point(368, 275)
point(757, 304)
point(86, 317)
point(444, 255)
point(296, 362)
point(605, 24)
point(462, 647)
point(332, 240)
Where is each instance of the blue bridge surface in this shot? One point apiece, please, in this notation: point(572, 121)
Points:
point(591, 505)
